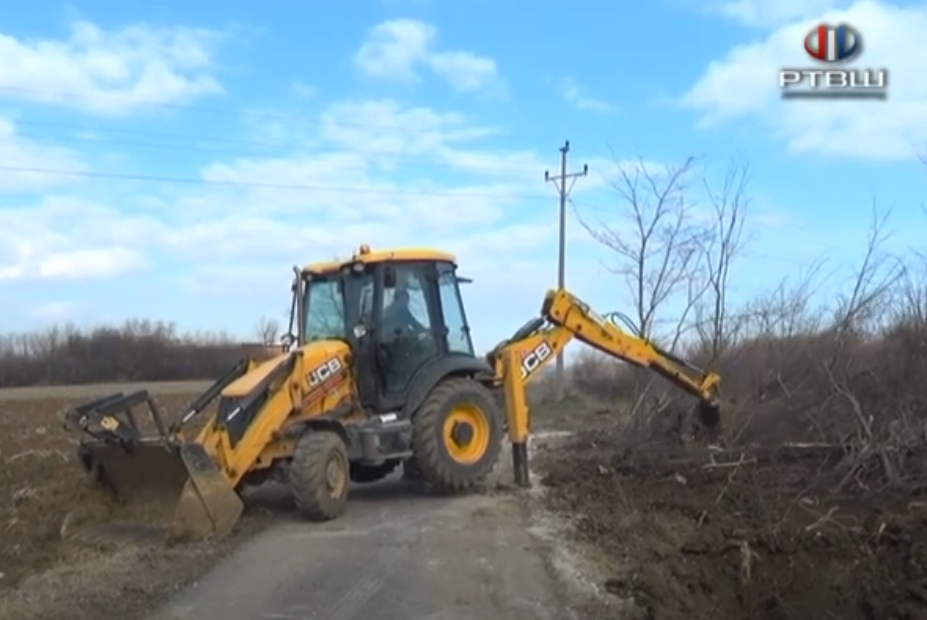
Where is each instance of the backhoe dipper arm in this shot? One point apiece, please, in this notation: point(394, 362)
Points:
point(564, 317)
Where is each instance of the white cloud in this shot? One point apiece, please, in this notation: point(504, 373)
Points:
point(397, 49)
point(575, 95)
point(394, 48)
point(744, 85)
point(353, 186)
point(90, 264)
point(110, 71)
point(767, 14)
point(384, 125)
point(465, 71)
point(345, 192)
point(72, 239)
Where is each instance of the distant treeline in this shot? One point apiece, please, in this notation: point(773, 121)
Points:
point(138, 350)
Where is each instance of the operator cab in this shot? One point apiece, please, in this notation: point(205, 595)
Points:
point(401, 312)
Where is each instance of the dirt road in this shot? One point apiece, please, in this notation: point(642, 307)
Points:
point(395, 555)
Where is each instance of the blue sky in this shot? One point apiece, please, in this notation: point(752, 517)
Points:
point(172, 162)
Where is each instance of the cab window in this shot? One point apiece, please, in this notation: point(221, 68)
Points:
point(325, 310)
point(458, 334)
point(405, 306)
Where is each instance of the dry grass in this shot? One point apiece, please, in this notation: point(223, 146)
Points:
point(162, 388)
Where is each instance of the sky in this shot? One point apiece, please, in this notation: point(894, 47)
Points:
point(173, 160)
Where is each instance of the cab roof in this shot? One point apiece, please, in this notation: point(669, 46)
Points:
point(367, 256)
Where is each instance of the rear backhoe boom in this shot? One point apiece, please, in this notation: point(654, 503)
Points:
point(563, 318)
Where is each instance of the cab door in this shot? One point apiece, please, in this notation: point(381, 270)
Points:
point(360, 306)
point(408, 322)
point(456, 331)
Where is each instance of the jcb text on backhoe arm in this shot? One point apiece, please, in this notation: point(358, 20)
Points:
point(563, 318)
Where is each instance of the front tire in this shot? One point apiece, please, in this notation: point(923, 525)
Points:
point(457, 435)
point(320, 475)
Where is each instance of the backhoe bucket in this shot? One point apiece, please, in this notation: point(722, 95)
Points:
point(160, 481)
point(709, 416)
point(707, 423)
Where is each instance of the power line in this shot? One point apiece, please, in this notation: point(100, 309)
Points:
point(560, 182)
point(259, 185)
point(146, 132)
point(53, 96)
point(187, 138)
point(419, 161)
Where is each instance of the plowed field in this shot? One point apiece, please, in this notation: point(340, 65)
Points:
point(42, 573)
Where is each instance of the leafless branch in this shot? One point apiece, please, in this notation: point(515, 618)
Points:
point(654, 236)
point(267, 330)
point(720, 247)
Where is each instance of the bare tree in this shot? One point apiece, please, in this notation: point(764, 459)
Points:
point(720, 247)
point(787, 310)
point(267, 330)
point(877, 274)
point(911, 306)
point(655, 237)
point(137, 350)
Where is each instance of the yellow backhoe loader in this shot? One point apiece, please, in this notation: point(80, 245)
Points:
point(379, 372)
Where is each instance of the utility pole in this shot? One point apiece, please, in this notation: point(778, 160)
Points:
point(560, 182)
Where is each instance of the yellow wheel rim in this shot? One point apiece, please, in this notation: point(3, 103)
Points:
point(466, 434)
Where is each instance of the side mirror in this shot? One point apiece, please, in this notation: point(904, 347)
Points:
point(389, 277)
point(288, 342)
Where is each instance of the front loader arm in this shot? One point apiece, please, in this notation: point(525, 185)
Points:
point(563, 318)
point(256, 412)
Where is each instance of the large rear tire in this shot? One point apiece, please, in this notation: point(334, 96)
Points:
point(457, 435)
point(320, 474)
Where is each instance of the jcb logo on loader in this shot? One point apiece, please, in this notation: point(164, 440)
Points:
point(533, 359)
point(324, 372)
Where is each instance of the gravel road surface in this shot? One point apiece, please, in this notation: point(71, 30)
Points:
point(396, 555)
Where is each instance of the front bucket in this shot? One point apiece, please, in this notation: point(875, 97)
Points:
point(208, 505)
point(180, 491)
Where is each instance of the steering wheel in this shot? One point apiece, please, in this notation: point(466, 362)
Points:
point(414, 331)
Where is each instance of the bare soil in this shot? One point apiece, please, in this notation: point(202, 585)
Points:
point(681, 532)
point(44, 575)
